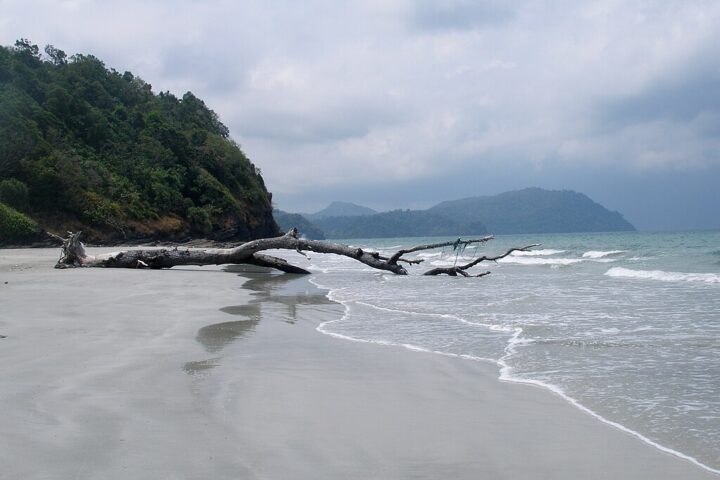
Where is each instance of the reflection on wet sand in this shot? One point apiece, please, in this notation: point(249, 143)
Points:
point(237, 268)
point(217, 336)
point(194, 368)
point(266, 288)
point(249, 310)
point(266, 283)
point(291, 302)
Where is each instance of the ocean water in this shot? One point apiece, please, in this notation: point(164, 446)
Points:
point(624, 325)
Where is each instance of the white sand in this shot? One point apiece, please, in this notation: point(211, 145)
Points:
point(118, 374)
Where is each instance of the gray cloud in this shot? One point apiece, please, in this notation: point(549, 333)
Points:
point(679, 101)
point(460, 14)
point(184, 61)
point(340, 122)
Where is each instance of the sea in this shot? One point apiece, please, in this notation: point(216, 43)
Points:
point(625, 326)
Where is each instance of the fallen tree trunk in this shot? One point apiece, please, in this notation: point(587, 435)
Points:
point(75, 255)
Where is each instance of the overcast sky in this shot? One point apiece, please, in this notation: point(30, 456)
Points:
point(401, 104)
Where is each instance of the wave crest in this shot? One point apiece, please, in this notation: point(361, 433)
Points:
point(537, 253)
point(663, 276)
point(539, 261)
point(601, 254)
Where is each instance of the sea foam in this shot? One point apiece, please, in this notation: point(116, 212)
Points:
point(537, 253)
point(601, 254)
point(539, 261)
point(663, 276)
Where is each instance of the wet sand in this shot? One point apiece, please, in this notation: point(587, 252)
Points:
point(205, 373)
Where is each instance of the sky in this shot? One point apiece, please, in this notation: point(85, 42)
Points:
point(403, 104)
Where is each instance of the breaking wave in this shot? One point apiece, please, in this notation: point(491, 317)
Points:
point(537, 253)
point(539, 261)
point(663, 276)
point(601, 254)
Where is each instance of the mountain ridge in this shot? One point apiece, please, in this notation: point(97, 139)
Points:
point(535, 210)
point(341, 209)
point(529, 210)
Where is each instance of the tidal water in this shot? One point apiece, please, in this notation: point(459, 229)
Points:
point(624, 325)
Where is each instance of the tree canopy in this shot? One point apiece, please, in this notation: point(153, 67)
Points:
point(83, 146)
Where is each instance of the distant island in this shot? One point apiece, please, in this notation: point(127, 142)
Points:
point(531, 210)
point(340, 209)
point(535, 210)
point(306, 227)
point(84, 147)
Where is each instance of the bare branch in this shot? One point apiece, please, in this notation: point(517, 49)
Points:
point(454, 270)
point(454, 243)
point(55, 237)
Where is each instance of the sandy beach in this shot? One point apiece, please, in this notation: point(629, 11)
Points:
point(217, 373)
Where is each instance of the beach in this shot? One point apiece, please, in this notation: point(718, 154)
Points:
point(221, 373)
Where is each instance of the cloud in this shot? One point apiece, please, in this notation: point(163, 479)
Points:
point(671, 120)
point(375, 94)
point(183, 61)
point(444, 15)
point(683, 94)
point(336, 123)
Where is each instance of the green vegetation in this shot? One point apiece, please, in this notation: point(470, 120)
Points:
point(14, 193)
point(86, 147)
point(16, 227)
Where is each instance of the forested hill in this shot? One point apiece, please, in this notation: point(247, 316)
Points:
point(85, 147)
point(307, 229)
point(535, 210)
point(341, 209)
point(531, 210)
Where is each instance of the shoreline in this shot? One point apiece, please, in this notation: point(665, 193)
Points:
point(199, 372)
point(575, 403)
point(505, 375)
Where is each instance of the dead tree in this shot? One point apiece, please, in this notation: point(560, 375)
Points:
point(74, 255)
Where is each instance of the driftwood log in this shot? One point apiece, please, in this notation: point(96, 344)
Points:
point(74, 255)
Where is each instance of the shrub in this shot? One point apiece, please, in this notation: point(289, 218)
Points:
point(100, 211)
point(14, 226)
point(200, 219)
point(14, 193)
